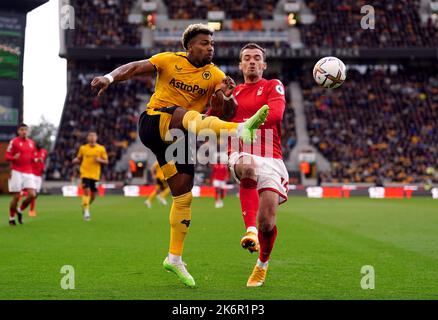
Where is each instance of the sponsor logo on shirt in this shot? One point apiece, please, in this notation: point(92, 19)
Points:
point(187, 87)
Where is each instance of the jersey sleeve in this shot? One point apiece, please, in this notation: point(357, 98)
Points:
point(160, 60)
point(10, 151)
point(276, 101)
point(80, 152)
point(276, 91)
point(103, 153)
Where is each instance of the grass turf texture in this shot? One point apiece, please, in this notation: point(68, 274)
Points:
point(320, 249)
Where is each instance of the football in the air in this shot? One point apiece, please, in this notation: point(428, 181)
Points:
point(329, 72)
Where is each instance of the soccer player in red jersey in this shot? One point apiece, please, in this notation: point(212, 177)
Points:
point(260, 170)
point(219, 177)
point(38, 167)
point(20, 153)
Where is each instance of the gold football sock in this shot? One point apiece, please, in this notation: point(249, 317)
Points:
point(152, 195)
point(165, 192)
point(180, 215)
point(85, 202)
point(194, 122)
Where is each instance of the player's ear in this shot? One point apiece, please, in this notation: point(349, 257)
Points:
point(265, 65)
point(240, 66)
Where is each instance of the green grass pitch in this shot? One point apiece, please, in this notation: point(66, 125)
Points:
point(321, 247)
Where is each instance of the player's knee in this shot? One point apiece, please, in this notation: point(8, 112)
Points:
point(249, 171)
point(31, 194)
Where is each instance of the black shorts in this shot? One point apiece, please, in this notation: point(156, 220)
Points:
point(152, 126)
point(89, 184)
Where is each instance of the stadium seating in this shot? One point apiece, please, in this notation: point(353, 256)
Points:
point(381, 126)
point(114, 117)
point(104, 23)
point(397, 24)
point(197, 9)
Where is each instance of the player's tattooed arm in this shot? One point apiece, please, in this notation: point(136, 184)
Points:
point(122, 73)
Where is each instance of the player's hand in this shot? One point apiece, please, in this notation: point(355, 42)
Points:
point(227, 86)
point(76, 161)
point(16, 156)
point(101, 84)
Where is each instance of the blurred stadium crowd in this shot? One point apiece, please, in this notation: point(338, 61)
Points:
point(397, 24)
point(114, 117)
point(380, 126)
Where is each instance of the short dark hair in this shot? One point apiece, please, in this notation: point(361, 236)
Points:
point(253, 45)
point(192, 31)
point(21, 125)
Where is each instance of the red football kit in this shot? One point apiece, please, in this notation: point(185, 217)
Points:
point(219, 172)
point(266, 153)
point(38, 167)
point(250, 97)
point(26, 149)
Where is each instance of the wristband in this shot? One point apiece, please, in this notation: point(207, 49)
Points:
point(109, 77)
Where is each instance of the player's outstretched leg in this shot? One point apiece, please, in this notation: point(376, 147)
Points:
point(248, 129)
point(180, 217)
point(249, 201)
point(193, 121)
point(267, 233)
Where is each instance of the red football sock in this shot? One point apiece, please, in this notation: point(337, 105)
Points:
point(216, 195)
point(11, 214)
point(266, 240)
point(23, 206)
point(223, 193)
point(249, 201)
point(32, 204)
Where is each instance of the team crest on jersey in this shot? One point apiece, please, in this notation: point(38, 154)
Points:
point(280, 89)
point(260, 91)
point(206, 75)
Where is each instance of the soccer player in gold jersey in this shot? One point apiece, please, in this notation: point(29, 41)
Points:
point(185, 83)
point(161, 187)
point(91, 156)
